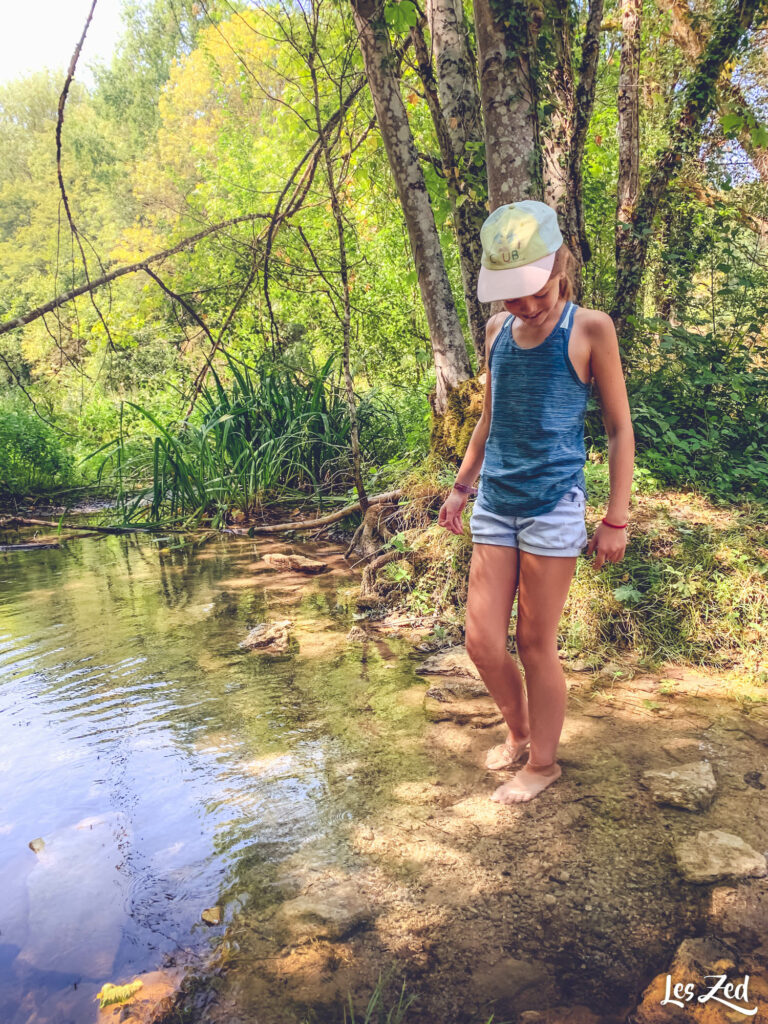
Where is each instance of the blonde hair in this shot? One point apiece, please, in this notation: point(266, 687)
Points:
point(563, 265)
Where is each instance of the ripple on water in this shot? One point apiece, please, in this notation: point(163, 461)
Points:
point(166, 769)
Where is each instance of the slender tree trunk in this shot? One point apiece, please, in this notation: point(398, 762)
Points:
point(448, 346)
point(575, 227)
point(629, 126)
point(504, 30)
point(697, 102)
point(461, 113)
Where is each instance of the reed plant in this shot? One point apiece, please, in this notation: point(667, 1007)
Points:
point(259, 431)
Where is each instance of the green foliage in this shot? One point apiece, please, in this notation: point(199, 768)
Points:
point(33, 456)
point(267, 430)
point(700, 410)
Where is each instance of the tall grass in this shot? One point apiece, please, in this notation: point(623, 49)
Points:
point(265, 430)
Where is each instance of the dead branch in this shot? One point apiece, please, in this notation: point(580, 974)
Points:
point(131, 268)
point(309, 524)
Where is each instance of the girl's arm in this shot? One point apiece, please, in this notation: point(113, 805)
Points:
point(609, 381)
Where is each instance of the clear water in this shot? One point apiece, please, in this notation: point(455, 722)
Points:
point(166, 769)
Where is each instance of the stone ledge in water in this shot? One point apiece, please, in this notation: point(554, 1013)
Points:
point(692, 786)
point(452, 662)
point(272, 635)
point(448, 690)
point(298, 563)
point(712, 855)
point(464, 712)
point(331, 915)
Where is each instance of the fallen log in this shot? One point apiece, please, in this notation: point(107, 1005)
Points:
point(310, 524)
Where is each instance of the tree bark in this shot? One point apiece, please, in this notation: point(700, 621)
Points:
point(504, 33)
point(629, 126)
point(575, 227)
point(461, 112)
point(448, 346)
point(697, 102)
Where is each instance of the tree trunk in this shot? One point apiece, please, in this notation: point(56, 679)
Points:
point(558, 134)
point(448, 346)
point(463, 118)
point(512, 150)
point(575, 227)
point(629, 125)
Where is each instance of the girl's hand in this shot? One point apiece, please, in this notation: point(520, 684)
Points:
point(450, 512)
point(608, 543)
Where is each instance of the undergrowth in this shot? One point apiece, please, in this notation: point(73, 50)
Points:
point(692, 586)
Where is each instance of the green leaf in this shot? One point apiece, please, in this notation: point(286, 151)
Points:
point(731, 122)
point(111, 994)
point(400, 16)
point(627, 594)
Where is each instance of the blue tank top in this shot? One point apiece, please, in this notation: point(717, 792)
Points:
point(535, 449)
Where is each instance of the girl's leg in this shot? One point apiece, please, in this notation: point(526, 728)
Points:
point(543, 589)
point(493, 578)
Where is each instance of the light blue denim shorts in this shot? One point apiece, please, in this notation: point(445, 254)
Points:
point(560, 532)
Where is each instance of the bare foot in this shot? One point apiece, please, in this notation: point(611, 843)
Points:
point(504, 755)
point(526, 784)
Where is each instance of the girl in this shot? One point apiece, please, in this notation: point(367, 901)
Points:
point(527, 524)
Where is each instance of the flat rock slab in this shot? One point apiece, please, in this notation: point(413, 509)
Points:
point(452, 662)
point(464, 712)
point(272, 636)
point(712, 855)
point(458, 689)
point(692, 786)
point(296, 563)
point(682, 748)
point(330, 914)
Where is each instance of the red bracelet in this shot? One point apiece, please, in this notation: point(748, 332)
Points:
point(464, 489)
point(614, 525)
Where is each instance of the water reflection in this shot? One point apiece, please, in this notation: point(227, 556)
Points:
point(166, 769)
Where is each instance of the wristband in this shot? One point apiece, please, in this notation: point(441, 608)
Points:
point(614, 525)
point(464, 489)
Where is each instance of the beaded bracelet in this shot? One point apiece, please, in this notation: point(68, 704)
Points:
point(614, 525)
point(464, 489)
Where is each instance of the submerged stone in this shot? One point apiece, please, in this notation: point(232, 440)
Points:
point(331, 914)
point(452, 662)
point(273, 635)
point(297, 563)
point(463, 712)
point(458, 689)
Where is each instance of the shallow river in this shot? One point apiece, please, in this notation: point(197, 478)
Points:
point(165, 769)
